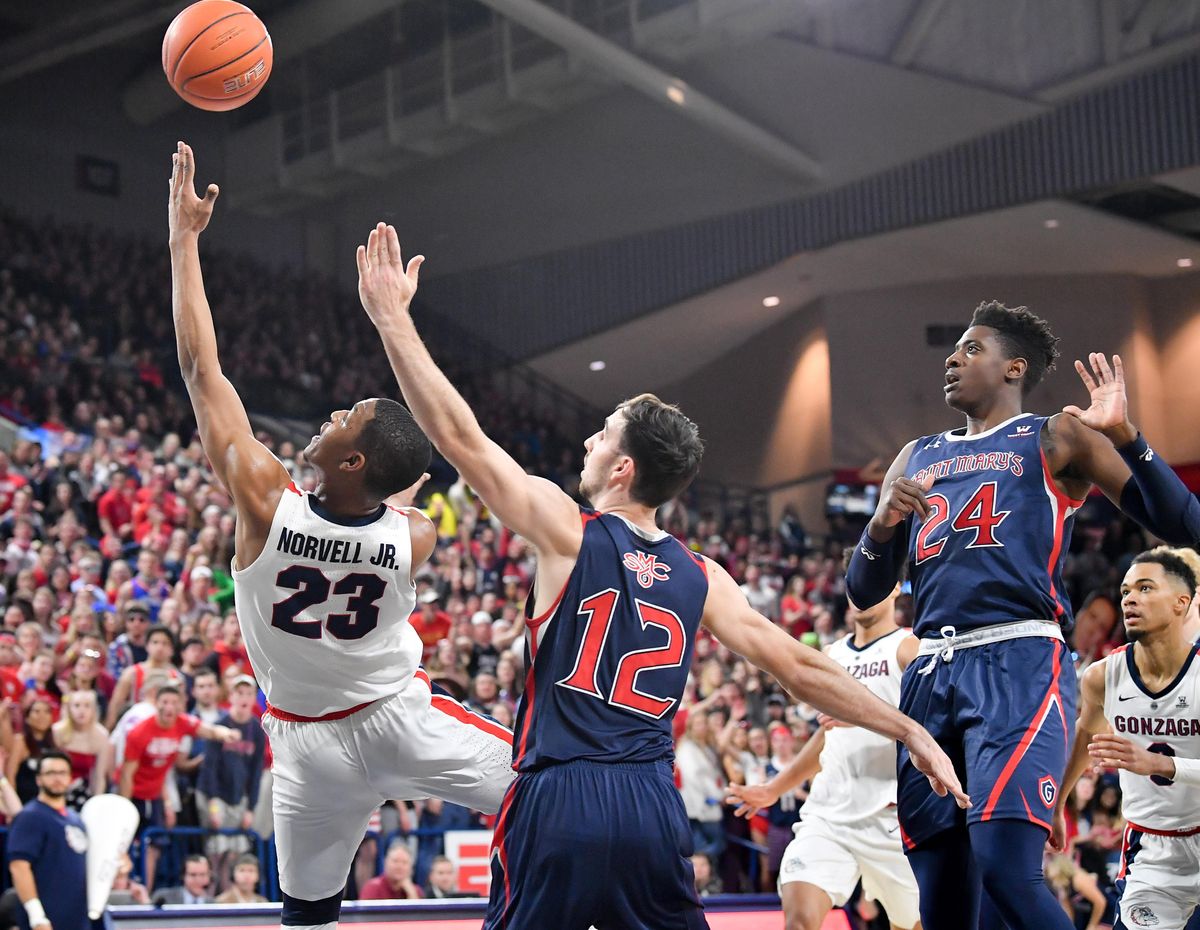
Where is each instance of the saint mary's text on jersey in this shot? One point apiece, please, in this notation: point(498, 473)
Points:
point(321, 549)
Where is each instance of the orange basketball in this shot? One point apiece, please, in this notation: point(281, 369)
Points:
point(217, 54)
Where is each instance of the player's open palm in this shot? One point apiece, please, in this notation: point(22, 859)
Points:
point(1106, 385)
point(750, 799)
point(188, 214)
point(385, 284)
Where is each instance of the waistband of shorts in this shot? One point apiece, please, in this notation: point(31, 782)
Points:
point(655, 767)
point(996, 633)
point(1178, 833)
point(281, 714)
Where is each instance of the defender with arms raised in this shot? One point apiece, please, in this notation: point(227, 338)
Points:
point(593, 832)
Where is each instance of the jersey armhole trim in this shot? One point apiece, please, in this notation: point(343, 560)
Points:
point(585, 517)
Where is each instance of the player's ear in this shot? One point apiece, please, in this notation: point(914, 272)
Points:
point(1016, 369)
point(353, 462)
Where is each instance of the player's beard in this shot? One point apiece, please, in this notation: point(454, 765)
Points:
point(54, 795)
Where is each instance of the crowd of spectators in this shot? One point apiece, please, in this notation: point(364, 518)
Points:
point(120, 643)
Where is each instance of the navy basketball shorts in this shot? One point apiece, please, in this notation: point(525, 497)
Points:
point(1005, 714)
point(588, 844)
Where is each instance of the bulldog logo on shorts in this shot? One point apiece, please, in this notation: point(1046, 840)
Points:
point(1142, 917)
point(1048, 789)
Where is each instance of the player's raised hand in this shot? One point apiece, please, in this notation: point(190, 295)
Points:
point(750, 799)
point(1116, 752)
point(385, 284)
point(188, 214)
point(1105, 383)
point(904, 496)
point(408, 497)
point(935, 765)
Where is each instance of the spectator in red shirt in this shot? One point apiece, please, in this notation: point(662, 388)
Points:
point(115, 506)
point(431, 624)
point(9, 482)
point(151, 750)
point(396, 880)
point(230, 651)
point(11, 686)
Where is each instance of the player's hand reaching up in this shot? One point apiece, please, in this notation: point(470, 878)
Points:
point(935, 765)
point(187, 214)
point(385, 285)
point(408, 497)
point(1109, 410)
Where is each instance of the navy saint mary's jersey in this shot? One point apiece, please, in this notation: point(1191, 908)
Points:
point(992, 549)
point(608, 662)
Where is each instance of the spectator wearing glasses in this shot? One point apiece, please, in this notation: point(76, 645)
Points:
point(130, 647)
point(47, 853)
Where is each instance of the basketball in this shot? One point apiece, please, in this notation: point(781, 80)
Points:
point(217, 54)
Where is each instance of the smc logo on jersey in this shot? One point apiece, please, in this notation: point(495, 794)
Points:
point(647, 567)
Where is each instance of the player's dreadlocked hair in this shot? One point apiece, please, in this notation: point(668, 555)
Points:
point(1023, 335)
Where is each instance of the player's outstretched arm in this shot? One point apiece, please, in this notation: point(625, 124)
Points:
point(246, 467)
point(812, 677)
point(537, 509)
point(753, 798)
point(1091, 721)
point(879, 556)
point(1101, 446)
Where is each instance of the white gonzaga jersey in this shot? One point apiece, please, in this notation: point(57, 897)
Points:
point(1166, 721)
point(324, 609)
point(858, 767)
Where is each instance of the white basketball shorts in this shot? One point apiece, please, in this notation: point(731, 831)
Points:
point(834, 856)
point(1160, 884)
point(331, 775)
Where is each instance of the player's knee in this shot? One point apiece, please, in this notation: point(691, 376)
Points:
point(804, 918)
point(299, 913)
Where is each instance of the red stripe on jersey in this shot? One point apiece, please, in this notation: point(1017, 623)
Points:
point(499, 836)
point(292, 487)
point(1035, 726)
point(528, 696)
point(1124, 851)
point(452, 708)
point(300, 718)
point(1062, 503)
point(908, 843)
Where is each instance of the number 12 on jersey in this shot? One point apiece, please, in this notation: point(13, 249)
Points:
point(599, 610)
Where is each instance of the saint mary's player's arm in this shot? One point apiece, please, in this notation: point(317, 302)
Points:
point(812, 677)
point(244, 466)
point(879, 557)
point(535, 508)
point(1101, 446)
point(1091, 721)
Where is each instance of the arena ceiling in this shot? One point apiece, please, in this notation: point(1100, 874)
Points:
point(645, 114)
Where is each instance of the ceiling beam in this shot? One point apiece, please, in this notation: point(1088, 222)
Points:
point(76, 36)
point(915, 30)
point(1127, 67)
point(658, 85)
point(1140, 35)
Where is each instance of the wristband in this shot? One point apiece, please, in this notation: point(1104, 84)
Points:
point(36, 913)
point(1135, 450)
point(1187, 771)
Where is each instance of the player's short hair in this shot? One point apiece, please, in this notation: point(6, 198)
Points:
point(1023, 335)
point(1171, 564)
point(396, 450)
point(665, 447)
point(159, 630)
point(1190, 557)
